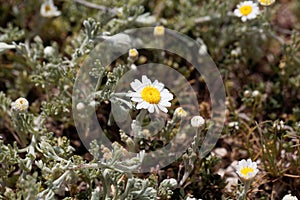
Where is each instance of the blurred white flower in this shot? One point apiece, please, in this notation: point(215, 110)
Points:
point(159, 31)
point(266, 2)
point(48, 9)
point(133, 67)
point(197, 121)
point(246, 169)
point(150, 96)
point(80, 106)
point(247, 93)
point(21, 104)
point(180, 112)
point(278, 125)
point(133, 54)
point(49, 51)
point(255, 93)
point(234, 125)
point(289, 197)
point(236, 52)
point(246, 10)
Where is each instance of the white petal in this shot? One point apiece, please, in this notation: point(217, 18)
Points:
point(237, 13)
point(145, 80)
point(134, 94)
point(242, 163)
point(151, 108)
point(165, 103)
point(136, 99)
point(166, 95)
point(136, 84)
point(249, 162)
point(158, 85)
point(162, 108)
point(143, 104)
point(156, 108)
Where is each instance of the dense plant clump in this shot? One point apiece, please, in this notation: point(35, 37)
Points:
point(255, 46)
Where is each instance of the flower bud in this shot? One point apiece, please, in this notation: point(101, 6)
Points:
point(255, 93)
point(180, 112)
point(49, 51)
point(133, 54)
point(21, 104)
point(159, 31)
point(80, 106)
point(247, 93)
point(197, 121)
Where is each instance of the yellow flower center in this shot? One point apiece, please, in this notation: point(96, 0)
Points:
point(246, 10)
point(151, 95)
point(246, 170)
point(21, 101)
point(47, 8)
point(133, 53)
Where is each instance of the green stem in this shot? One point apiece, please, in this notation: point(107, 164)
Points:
point(141, 116)
point(243, 195)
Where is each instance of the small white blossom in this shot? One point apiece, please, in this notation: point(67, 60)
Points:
point(278, 125)
point(159, 31)
point(48, 9)
point(234, 125)
point(236, 52)
point(49, 51)
point(150, 96)
point(246, 169)
point(246, 10)
point(266, 2)
point(21, 104)
point(289, 197)
point(255, 93)
point(247, 93)
point(133, 54)
point(197, 121)
point(133, 67)
point(80, 106)
point(180, 112)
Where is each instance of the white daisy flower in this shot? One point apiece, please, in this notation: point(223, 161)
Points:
point(247, 10)
point(197, 121)
point(21, 104)
point(150, 96)
point(48, 9)
point(246, 169)
point(289, 197)
point(266, 2)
